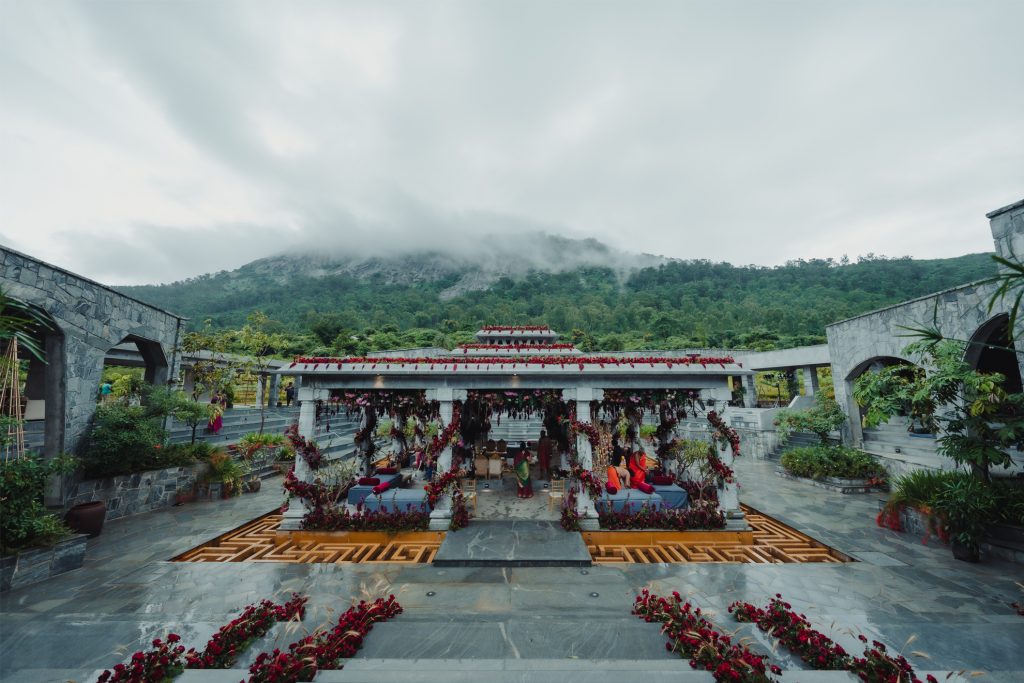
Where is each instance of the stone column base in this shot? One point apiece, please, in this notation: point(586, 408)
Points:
point(735, 520)
point(293, 517)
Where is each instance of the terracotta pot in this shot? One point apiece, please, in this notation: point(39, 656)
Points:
point(228, 489)
point(184, 497)
point(964, 552)
point(87, 518)
point(253, 485)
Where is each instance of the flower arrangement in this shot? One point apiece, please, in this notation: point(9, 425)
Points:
point(702, 514)
point(518, 347)
point(341, 519)
point(447, 436)
point(515, 404)
point(515, 328)
point(570, 515)
point(306, 448)
point(162, 663)
point(222, 650)
point(723, 433)
point(819, 651)
point(694, 637)
point(323, 649)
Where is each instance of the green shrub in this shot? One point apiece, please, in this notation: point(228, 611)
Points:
point(967, 507)
point(919, 488)
point(818, 462)
point(257, 439)
point(1009, 501)
point(123, 439)
point(24, 521)
point(824, 418)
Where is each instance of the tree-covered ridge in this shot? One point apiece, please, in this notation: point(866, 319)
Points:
point(675, 305)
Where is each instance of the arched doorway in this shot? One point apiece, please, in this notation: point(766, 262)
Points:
point(991, 350)
point(854, 410)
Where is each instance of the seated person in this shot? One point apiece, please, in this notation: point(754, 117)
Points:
point(618, 475)
point(637, 466)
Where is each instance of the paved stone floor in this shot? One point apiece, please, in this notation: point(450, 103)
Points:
point(957, 614)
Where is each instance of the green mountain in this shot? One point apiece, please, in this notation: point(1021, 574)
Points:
point(606, 300)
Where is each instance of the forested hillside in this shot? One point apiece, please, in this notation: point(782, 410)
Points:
point(673, 305)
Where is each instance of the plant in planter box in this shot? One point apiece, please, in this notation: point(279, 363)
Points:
point(966, 506)
point(228, 472)
point(24, 521)
point(821, 420)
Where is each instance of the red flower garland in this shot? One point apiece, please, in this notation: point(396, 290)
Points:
point(724, 431)
point(694, 637)
point(445, 361)
point(515, 328)
point(466, 348)
point(222, 650)
point(309, 451)
point(323, 649)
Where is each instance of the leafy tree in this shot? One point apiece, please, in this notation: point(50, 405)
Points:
point(257, 344)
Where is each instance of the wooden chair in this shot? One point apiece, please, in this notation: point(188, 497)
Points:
point(469, 493)
point(502, 448)
point(556, 493)
point(480, 466)
point(494, 468)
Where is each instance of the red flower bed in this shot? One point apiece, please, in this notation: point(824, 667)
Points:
point(466, 348)
point(694, 637)
point(819, 651)
point(222, 651)
point(323, 649)
point(168, 659)
point(699, 516)
point(515, 328)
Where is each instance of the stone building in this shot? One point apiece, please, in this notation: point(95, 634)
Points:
point(963, 313)
point(87, 320)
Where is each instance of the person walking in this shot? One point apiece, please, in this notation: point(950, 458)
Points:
point(545, 447)
point(289, 394)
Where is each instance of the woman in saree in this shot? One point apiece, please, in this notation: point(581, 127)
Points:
point(522, 469)
point(216, 420)
point(637, 468)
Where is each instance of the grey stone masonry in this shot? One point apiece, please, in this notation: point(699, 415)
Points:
point(89, 319)
point(1007, 226)
point(131, 494)
point(38, 564)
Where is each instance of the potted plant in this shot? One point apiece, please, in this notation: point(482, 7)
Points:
point(966, 507)
point(189, 494)
point(285, 459)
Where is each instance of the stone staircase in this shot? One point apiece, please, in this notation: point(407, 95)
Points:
point(237, 423)
point(514, 431)
point(796, 440)
point(894, 439)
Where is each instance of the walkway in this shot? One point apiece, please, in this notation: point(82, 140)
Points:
point(128, 593)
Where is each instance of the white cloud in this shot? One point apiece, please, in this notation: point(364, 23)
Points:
point(154, 141)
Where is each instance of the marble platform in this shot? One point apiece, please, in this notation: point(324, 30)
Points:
point(513, 543)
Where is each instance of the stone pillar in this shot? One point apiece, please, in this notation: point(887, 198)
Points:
point(582, 396)
point(440, 516)
point(728, 495)
point(810, 380)
point(275, 390)
point(750, 391)
point(307, 418)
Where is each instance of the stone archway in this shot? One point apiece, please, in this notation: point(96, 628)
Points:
point(854, 413)
point(992, 350)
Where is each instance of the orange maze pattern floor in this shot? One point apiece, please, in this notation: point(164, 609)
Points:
point(257, 541)
point(773, 543)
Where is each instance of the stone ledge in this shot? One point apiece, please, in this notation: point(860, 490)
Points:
point(846, 486)
point(38, 564)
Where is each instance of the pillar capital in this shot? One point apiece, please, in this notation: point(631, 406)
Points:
point(583, 394)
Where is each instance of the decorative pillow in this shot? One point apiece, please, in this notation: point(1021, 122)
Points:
point(662, 480)
point(386, 470)
point(380, 488)
point(613, 478)
point(369, 481)
point(611, 488)
point(644, 487)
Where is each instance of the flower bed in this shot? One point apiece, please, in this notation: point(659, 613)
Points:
point(323, 649)
point(445, 362)
point(692, 636)
point(167, 659)
point(819, 651)
point(701, 515)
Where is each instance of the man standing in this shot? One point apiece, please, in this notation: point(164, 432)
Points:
point(544, 449)
point(289, 394)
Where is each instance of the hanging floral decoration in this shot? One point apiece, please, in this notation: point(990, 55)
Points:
point(306, 448)
point(448, 362)
point(515, 328)
point(723, 433)
point(518, 347)
point(393, 403)
point(448, 436)
point(517, 405)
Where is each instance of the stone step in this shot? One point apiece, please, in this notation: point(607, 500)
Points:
point(364, 670)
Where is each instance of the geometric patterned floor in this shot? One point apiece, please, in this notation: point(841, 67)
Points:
point(773, 543)
point(257, 541)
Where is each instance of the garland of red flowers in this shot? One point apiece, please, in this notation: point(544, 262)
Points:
point(517, 347)
point(323, 649)
point(819, 651)
point(161, 663)
point(168, 659)
point(694, 637)
point(444, 362)
point(222, 650)
point(308, 449)
point(515, 328)
point(724, 431)
point(446, 435)
point(516, 404)
point(449, 482)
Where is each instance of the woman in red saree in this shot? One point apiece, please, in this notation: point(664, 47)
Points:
point(637, 466)
point(544, 448)
point(216, 411)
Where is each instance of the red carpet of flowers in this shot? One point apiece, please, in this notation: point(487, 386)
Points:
point(819, 651)
point(323, 649)
point(700, 515)
point(694, 637)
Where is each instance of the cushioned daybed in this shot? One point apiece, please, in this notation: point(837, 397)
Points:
point(627, 500)
point(397, 500)
point(357, 493)
point(672, 496)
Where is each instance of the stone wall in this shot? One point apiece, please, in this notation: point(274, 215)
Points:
point(131, 494)
point(89, 319)
point(38, 564)
point(1007, 225)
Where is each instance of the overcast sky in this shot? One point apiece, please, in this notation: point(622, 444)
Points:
point(151, 141)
